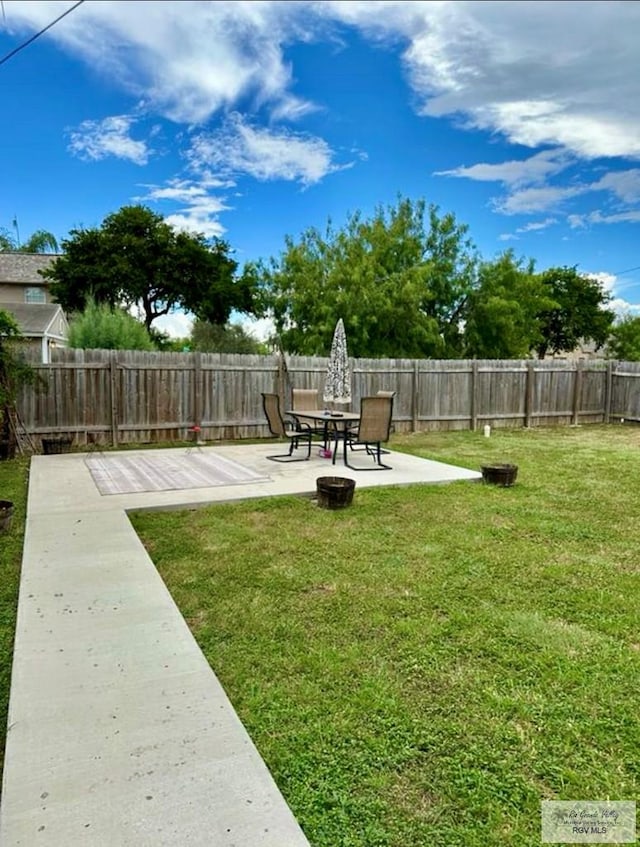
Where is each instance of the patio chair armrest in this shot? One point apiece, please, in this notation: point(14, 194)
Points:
point(298, 426)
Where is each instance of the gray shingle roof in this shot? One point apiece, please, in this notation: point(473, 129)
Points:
point(32, 318)
point(24, 267)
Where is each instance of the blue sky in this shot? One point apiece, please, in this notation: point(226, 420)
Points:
point(256, 120)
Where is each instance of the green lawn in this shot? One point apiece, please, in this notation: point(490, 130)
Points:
point(425, 667)
point(13, 486)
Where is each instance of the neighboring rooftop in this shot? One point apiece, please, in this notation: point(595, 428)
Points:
point(24, 267)
point(34, 318)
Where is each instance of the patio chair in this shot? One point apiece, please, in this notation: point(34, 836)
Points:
point(308, 399)
point(277, 426)
point(373, 429)
point(392, 394)
point(305, 398)
point(387, 394)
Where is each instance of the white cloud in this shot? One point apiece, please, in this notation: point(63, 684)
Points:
point(527, 192)
point(606, 279)
point(534, 226)
point(537, 73)
point(624, 184)
point(577, 221)
point(261, 329)
point(96, 140)
point(176, 325)
point(516, 171)
point(597, 217)
point(263, 154)
point(197, 209)
point(187, 60)
point(615, 288)
point(196, 221)
point(537, 226)
point(535, 124)
point(562, 74)
point(186, 191)
point(536, 200)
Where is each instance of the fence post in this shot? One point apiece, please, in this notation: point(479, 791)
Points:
point(528, 393)
point(113, 393)
point(608, 391)
point(577, 392)
point(414, 397)
point(197, 396)
point(282, 380)
point(474, 395)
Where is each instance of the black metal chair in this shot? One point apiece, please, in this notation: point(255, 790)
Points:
point(308, 400)
point(373, 429)
point(277, 426)
point(354, 429)
point(305, 399)
point(392, 428)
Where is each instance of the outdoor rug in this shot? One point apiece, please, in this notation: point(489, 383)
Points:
point(156, 471)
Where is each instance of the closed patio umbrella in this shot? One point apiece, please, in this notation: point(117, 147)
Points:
point(337, 388)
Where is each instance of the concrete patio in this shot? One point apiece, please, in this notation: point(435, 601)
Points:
point(119, 733)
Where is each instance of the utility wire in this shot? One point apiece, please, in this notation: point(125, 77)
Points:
point(38, 34)
point(627, 271)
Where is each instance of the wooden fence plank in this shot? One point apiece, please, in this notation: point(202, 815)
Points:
point(135, 396)
point(113, 396)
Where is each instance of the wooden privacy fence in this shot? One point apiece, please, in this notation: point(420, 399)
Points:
point(103, 396)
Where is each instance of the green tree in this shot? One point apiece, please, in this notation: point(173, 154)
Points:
point(231, 338)
point(166, 343)
point(503, 312)
point(39, 241)
point(398, 282)
point(15, 371)
point(104, 327)
point(578, 314)
point(624, 341)
point(134, 257)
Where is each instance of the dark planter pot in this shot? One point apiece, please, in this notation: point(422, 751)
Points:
point(335, 492)
point(7, 450)
point(6, 515)
point(504, 475)
point(60, 444)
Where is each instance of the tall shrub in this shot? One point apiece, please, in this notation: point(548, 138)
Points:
point(104, 328)
point(14, 372)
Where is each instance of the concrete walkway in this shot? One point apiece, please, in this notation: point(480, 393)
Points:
point(119, 734)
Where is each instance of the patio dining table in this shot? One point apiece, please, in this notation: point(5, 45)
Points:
point(335, 425)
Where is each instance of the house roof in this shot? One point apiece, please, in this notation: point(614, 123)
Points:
point(35, 319)
point(24, 267)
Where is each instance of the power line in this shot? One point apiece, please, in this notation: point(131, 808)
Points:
point(627, 271)
point(38, 34)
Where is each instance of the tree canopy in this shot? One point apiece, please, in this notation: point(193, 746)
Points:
point(399, 281)
point(136, 258)
point(39, 241)
point(230, 338)
point(624, 341)
point(15, 371)
point(409, 282)
point(503, 311)
point(104, 327)
point(578, 313)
